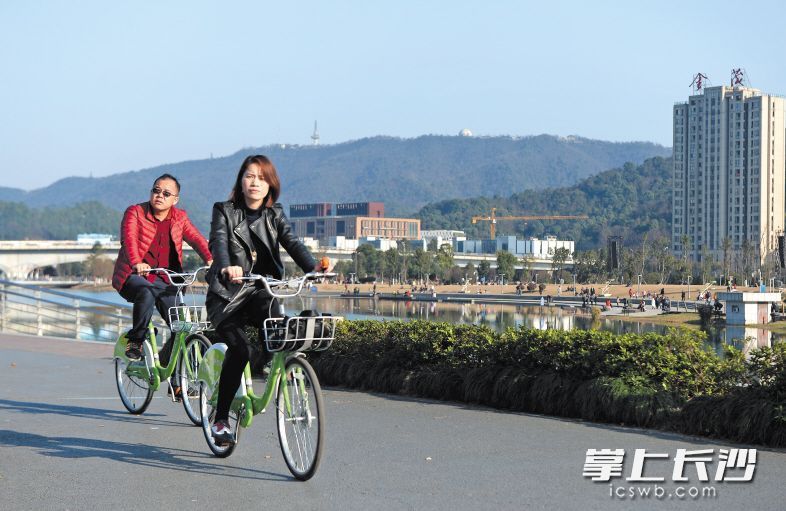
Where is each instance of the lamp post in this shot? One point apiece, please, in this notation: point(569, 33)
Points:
point(638, 286)
point(689, 278)
point(574, 285)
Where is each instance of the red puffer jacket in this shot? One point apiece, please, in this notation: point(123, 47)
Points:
point(137, 232)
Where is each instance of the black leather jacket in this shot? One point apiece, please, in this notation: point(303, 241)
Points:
point(231, 245)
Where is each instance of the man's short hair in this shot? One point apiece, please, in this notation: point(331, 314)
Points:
point(168, 176)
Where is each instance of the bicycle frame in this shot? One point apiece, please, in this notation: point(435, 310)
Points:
point(156, 373)
point(256, 404)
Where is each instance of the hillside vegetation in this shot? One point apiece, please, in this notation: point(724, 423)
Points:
point(405, 174)
point(20, 222)
point(627, 201)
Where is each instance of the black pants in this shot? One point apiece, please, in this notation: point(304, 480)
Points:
point(144, 295)
point(254, 311)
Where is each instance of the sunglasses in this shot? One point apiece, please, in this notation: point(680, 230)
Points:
point(159, 191)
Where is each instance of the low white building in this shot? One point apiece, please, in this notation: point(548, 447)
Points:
point(442, 236)
point(535, 247)
point(748, 308)
point(342, 243)
point(311, 243)
point(382, 244)
point(544, 249)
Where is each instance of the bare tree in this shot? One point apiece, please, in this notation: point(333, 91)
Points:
point(726, 244)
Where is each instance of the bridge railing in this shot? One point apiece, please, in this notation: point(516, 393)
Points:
point(36, 310)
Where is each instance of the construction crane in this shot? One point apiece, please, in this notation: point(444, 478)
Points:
point(493, 219)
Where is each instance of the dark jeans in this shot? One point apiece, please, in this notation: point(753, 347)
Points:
point(144, 295)
point(253, 312)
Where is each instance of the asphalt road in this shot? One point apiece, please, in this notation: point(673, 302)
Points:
point(67, 443)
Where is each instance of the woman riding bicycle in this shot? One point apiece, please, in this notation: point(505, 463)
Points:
point(245, 234)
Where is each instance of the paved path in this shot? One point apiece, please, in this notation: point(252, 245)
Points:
point(66, 443)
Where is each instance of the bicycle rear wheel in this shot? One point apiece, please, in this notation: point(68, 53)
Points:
point(300, 418)
point(196, 346)
point(208, 414)
point(135, 390)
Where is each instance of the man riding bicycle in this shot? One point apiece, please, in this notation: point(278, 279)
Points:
point(152, 235)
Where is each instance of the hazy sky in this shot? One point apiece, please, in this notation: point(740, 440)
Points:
point(103, 87)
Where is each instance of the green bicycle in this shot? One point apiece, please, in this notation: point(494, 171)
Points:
point(299, 405)
point(138, 380)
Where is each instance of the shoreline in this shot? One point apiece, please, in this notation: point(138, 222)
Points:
point(507, 293)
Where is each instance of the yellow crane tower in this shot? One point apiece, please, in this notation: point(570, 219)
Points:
point(493, 219)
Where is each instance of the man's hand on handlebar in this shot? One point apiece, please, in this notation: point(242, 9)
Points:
point(233, 273)
point(141, 268)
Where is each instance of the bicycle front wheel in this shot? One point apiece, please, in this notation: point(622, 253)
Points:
point(133, 386)
point(300, 418)
point(208, 414)
point(196, 346)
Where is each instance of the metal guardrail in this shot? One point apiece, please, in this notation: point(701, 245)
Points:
point(36, 310)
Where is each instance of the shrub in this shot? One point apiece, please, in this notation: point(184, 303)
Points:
point(668, 381)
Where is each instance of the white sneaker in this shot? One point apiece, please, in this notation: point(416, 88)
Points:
point(222, 433)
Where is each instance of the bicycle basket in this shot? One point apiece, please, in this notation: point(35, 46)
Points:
point(188, 318)
point(300, 333)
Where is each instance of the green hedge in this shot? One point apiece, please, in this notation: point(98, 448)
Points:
point(661, 381)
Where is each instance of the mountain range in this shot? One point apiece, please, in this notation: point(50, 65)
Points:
point(405, 174)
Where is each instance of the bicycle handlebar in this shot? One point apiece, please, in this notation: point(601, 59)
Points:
point(188, 277)
point(296, 283)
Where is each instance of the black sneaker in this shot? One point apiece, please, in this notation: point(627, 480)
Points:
point(222, 433)
point(134, 350)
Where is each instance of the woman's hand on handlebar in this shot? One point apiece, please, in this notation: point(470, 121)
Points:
point(323, 265)
point(233, 273)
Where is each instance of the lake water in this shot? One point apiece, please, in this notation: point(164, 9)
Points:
point(495, 316)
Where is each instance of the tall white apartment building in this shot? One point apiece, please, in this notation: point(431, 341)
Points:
point(729, 172)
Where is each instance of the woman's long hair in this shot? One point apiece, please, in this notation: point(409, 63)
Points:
point(268, 172)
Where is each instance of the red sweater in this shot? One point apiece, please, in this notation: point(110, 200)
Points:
point(137, 232)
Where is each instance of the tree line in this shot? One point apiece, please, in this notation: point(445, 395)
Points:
point(651, 258)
